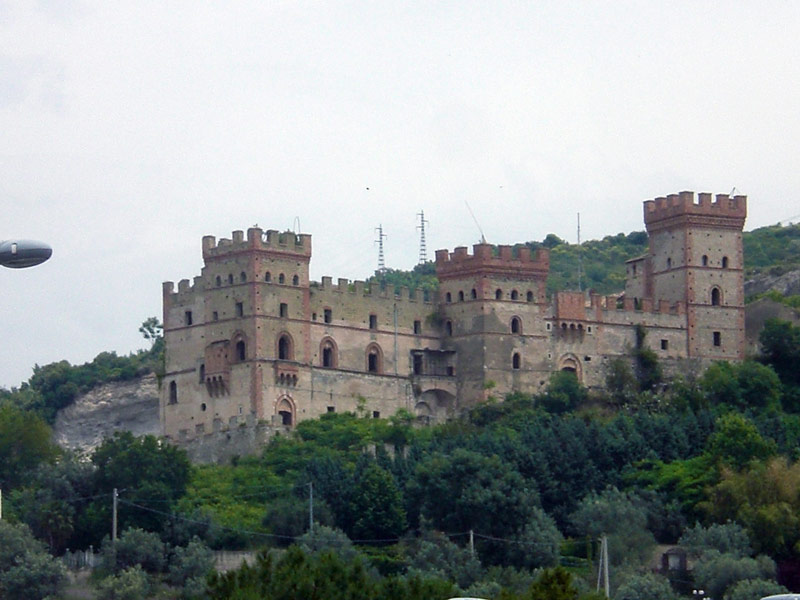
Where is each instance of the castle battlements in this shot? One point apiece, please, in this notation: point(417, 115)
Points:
point(684, 208)
point(374, 290)
point(483, 260)
point(287, 242)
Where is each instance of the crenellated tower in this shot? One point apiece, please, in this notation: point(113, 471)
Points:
point(696, 257)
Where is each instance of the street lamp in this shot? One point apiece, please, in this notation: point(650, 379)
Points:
point(18, 254)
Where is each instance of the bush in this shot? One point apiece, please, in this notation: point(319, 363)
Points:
point(645, 587)
point(130, 584)
point(27, 572)
point(134, 547)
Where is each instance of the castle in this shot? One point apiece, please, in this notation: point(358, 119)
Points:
point(252, 339)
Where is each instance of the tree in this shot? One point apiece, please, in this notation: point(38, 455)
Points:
point(130, 584)
point(618, 515)
point(377, 505)
point(27, 572)
point(327, 539)
point(538, 544)
point(737, 441)
point(190, 567)
point(648, 369)
point(151, 330)
point(747, 589)
point(134, 547)
point(716, 572)
point(726, 538)
point(25, 442)
point(646, 587)
point(621, 383)
point(743, 386)
point(780, 348)
point(553, 584)
point(564, 393)
point(433, 554)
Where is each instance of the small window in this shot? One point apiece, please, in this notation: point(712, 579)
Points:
point(529, 296)
point(664, 344)
point(281, 278)
point(373, 321)
point(203, 407)
point(173, 392)
point(202, 374)
point(285, 348)
point(669, 263)
point(516, 325)
point(516, 361)
point(460, 296)
point(241, 350)
point(417, 327)
point(187, 317)
point(376, 414)
point(374, 360)
point(448, 297)
point(498, 294)
point(724, 262)
point(474, 294)
point(717, 338)
point(331, 409)
point(219, 281)
point(230, 278)
point(284, 310)
point(328, 315)
point(548, 327)
point(215, 316)
point(417, 364)
point(715, 296)
point(295, 280)
point(239, 309)
point(449, 327)
point(514, 295)
point(705, 260)
point(243, 277)
point(327, 355)
point(267, 276)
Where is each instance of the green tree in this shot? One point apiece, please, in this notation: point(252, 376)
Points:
point(726, 538)
point(780, 348)
point(25, 442)
point(190, 566)
point(537, 544)
point(619, 516)
point(645, 587)
point(377, 505)
point(621, 383)
point(716, 572)
point(737, 441)
point(130, 584)
point(134, 547)
point(564, 393)
point(553, 584)
point(433, 554)
point(27, 572)
point(151, 330)
point(747, 589)
point(648, 369)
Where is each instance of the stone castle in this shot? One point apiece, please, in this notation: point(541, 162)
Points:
point(253, 340)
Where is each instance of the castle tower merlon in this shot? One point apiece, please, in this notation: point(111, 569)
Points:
point(482, 262)
point(238, 236)
point(287, 244)
point(570, 306)
point(683, 209)
point(167, 288)
point(184, 286)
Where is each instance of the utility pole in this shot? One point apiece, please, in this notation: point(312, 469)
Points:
point(471, 544)
point(114, 517)
point(311, 507)
point(1, 504)
point(379, 241)
point(423, 254)
point(602, 567)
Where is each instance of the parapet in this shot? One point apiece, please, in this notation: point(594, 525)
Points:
point(287, 242)
point(484, 261)
point(679, 209)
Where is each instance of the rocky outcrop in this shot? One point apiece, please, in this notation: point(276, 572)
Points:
point(120, 406)
point(787, 284)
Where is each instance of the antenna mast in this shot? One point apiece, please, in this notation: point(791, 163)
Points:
point(478, 225)
point(379, 241)
point(580, 255)
point(423, 256)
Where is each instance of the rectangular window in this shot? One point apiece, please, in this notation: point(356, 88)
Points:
point(215, 316)
point(331, 409)
point(417, 364)
point(376, 414)
point(373, 321)
point(239, 309)
point(717, 338)
point(328, 315)
point(664, 344)
point(417, 327)
point(284, 310)
point(187, 317)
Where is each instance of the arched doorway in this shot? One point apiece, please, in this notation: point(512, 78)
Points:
point(285, 410)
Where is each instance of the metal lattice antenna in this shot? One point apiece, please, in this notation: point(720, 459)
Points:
point(580, 255)
point(379, 241)
point(423, 254)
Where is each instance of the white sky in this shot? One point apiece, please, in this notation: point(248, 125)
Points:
point(128, 130)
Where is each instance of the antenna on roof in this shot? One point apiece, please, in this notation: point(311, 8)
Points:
point(423, 257)
point(580, 255)
point(483, 237)
point(296, 222)
point(379, 241)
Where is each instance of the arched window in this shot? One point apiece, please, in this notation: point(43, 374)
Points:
point(241, 350)
point(715, 296)
point(516, 361)
point(328, 353)
point(173, 392)
point(230, 278)
point(281, 278)
point(374, 359)
point(219, 281)
point(448, 298)
point(498, 294)
point(285, 410)
point(285, 347)
point(516, 325)
point(514, 294)
point(460, 296)
point(474, 294)
point(705, 260)
point(529, 296)
point(295, 280)
point(669, 263)
point(724, 262)
point(267, 276)
point(449, 328)
point(242, 276)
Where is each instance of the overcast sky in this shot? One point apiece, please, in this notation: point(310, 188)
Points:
point(128, 130)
